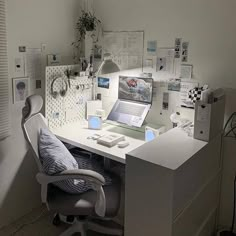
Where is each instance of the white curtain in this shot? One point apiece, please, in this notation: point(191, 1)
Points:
point(4, 86)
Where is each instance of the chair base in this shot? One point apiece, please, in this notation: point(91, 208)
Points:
point(99, 226)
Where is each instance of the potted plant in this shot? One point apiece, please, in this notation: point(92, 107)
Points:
point(87, 22)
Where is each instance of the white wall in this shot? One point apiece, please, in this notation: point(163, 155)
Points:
point(30, 23)
point(208, 25)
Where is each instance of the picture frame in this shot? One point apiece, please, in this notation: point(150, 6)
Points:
point(186, 71)
point(174, 85)
point(165, 60)
point(20, 89)
point(103, 82)
point(152, 47)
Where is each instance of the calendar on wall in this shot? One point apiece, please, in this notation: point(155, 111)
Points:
point(126, 48)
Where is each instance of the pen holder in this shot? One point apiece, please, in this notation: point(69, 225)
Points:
point(209, 119)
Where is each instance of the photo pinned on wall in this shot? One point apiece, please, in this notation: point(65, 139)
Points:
point(186, 71)
point(54, 59)
point(103, 82)
point(178, 47)
point(165, 60)
point(184, 59)
point(185, 101)
point(38, 84)
point(146, 74)
point(185, 46)
point(161, 64)
point(33, 64)
point(149, 63)
point(165, 101)
point(20, 89)
point(152, 47)
point(174, 85)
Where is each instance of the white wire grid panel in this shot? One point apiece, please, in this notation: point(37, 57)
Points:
point(70, 108)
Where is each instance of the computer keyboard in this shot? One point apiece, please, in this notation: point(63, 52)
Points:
point(130, 109)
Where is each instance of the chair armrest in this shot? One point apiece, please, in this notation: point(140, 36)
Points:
point(96, 180)
point(88, 175)
point(93, 175)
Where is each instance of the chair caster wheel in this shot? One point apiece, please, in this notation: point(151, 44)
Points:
point(56, 220)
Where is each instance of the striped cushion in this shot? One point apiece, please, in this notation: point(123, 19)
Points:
point(56, 158)
point(54, 155)
point(80, 186)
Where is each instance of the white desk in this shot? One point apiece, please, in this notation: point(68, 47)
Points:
point(177, 177)
point(174, 175)
point(77, 134)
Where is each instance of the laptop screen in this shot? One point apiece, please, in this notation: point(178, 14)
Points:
point(135, 89)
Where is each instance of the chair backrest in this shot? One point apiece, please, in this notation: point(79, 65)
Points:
point(32, 122)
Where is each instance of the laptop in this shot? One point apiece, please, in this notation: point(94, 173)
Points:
point(134, 101)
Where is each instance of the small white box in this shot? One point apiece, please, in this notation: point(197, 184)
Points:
point(92, 107)
point(110, 140)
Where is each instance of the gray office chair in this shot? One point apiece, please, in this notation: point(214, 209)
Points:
point(90, 209)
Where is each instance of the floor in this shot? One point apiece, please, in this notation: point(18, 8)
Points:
point(37, 223)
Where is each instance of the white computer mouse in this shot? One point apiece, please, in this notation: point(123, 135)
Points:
point(123, 144)
point(96, 136)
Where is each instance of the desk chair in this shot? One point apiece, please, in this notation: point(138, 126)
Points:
point(89, 209)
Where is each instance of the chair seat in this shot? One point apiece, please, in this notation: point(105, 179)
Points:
point(83, 204)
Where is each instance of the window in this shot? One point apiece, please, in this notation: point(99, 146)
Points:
point(4, 86)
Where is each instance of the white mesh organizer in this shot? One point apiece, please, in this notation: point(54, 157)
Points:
point(65, 103)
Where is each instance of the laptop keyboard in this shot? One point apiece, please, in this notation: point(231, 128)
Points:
point(127, 108)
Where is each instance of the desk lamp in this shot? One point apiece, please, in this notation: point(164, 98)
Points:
point(107, 66)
